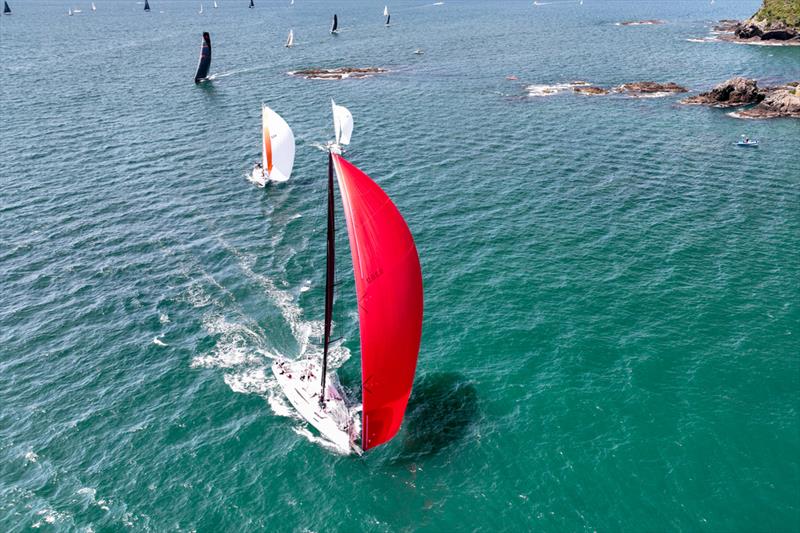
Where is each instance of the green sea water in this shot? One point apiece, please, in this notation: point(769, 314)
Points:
point(611, 338)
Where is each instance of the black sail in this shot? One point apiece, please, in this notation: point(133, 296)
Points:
point(335, 24)
point(329, 277)
point(252, 4)
point(388, 18)
point(6, 9)
point(146, 6)
point(205, 59)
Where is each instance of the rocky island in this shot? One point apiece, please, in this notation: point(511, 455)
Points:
point(340, 73)
point(638, 89)
point(770, 102)
point(776, 23)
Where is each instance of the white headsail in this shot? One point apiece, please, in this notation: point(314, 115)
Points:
point(343, 123)
point(385, 11)
point(277, 146)
point(290, 39)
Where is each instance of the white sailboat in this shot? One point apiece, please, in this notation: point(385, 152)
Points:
point(94, 8)
point(386, 14)
point(277, 149)
point(201, 10)
point(290, 39)
point(215, 4)
point(342, 124)
point(69, 12)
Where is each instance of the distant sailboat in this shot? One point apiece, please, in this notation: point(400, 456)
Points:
point(146, 5)
point(6, 9)
point(386, 14)
point(388, 282)
point(277, 149)
point(77, 11)
point(290, 40)
point(69, 12)
point(291, 3)
point(215, 4)
point(201, 10)
point(252, 5)
point(94, 8)
point(205, 59)
point(335, 25)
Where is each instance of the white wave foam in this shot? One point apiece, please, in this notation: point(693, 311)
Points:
point(556, 88)
point(163, 318)
point(159, 342)
point(325, 443)
point(31, 457)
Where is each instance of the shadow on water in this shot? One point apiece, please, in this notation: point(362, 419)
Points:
point(440, 413)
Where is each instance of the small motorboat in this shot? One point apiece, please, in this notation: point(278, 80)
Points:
point(746, 141)
point(419, 51)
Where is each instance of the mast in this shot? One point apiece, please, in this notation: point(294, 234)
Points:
point(329, 278)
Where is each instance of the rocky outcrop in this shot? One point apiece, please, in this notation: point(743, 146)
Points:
point(732, 93)
point(338, 73)
point(770, 102)
point(590, 90)
point(778, 102)
point(649, 87)
point(777, 22)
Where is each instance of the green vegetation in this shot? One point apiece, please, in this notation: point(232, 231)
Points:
point(787, 11)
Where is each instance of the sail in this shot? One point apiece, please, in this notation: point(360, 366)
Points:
point(251, 4)
point(290, 39)
point(6, 9)
point(94, 7)
point(335, 25)
point(205, 59)
point(385, 11)
point(146, 6)
point(342, 123)
point(277, 147)
point(389, 290)
point(388, 18)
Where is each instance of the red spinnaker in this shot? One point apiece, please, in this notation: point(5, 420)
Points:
point(389, 289)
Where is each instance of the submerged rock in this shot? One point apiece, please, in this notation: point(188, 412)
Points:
point(731, 93)
point(650, 22)
point(340, 73)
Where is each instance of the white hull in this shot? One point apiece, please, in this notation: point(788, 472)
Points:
point(259, 178)
point(300, 381)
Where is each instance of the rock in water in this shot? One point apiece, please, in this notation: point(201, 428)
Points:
point(779, 102)
point(590, 89)
point(652, 87)
point(732, 93)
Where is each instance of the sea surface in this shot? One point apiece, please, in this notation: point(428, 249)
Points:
point(611, 338)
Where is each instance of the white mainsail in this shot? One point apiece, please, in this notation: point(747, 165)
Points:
point(277, 146)
point(385, 11)
point(215, 4)
point(290, 39)
point(94, 8)
point(201, 10)
point(343, 123)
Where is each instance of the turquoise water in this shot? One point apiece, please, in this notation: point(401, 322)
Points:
point(611, 330)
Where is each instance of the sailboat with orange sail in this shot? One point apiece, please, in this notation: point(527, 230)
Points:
point(277, 149)
point(388, 282)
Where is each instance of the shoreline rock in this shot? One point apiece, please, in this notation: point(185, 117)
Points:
point(734, 92)
point(770, 102)
point(339, 73)
point(590, 90)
